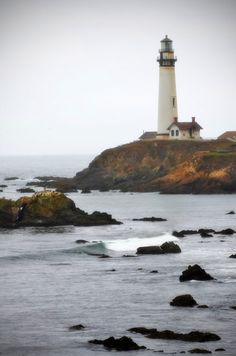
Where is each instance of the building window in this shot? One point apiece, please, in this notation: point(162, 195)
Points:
point(173, 102)
point(172, 132)
point(177, 132)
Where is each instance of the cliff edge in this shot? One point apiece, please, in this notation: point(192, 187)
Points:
point(176, 167)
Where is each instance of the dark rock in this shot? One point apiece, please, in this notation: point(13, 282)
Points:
point(154, 271)
point(205, 234)
point(233, 307)
point(232, 256)
point(219, 349)
point(178, 234)
point(104, 256)
point(122, 344)
point(188, 232)
point(11, 178)
point(226, 232)
point(185, 300)
point(85, 191)
point(230, 213)
point(1, 190)
point(48, 209)
point(167, 247)
point(81, 241)
point(152, 219)
point(139, 269)
point(206, 231)
point(203, 306)
point(195, 272)
point(199, 351)
point(150, 250)
point(76, 327)
point(25, 190)
point(193, 336)
point(129, 256)
point(3, 185)
point(170, 247)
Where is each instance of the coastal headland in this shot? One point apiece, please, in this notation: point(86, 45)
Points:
point(170, 167)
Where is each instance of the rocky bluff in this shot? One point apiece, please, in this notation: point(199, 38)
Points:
point(164, 166)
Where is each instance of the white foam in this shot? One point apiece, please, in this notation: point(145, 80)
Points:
point(131, 244)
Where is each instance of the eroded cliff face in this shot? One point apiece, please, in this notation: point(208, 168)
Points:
point(165, 166)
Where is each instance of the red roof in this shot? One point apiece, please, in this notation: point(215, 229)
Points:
point(185, 125)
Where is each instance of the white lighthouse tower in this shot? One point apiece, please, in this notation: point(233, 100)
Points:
point(167, 102)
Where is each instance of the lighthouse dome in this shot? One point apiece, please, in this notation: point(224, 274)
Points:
point(166, 44)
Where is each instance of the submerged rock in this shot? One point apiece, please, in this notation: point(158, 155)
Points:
point(230, 212)
point(81, 241)
point(122, 344)
point(11, 178)
point(184, 300)
point(152, 219)
point(226, 232)
point(3, 186)
point(199, 351)
point(193, 336)
point(195, 272)
point(48, 209)
point(76, 327)
point(232, 256)
point(178, 234)
point(25, 190)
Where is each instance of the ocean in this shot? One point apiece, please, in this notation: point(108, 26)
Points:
point(50, 283)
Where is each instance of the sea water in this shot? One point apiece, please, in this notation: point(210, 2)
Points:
point(48, 282)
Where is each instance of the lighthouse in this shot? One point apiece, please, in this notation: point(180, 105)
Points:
point(167, 101)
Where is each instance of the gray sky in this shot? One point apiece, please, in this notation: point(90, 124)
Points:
point(80, 76)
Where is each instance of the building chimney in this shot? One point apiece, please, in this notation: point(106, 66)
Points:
point(193, 119)
point(175, 119)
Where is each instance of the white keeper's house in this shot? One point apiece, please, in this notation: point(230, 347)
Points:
point(169, 127)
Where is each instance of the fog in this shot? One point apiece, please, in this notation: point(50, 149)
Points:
point(80, 76)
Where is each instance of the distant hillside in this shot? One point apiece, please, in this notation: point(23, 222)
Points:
point(164, 166)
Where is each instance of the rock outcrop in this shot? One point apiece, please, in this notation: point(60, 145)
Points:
point(196, 273)
point(184, 300)
point(165, 166)
point(122, 344)
point(193, 336)
point(48, 209)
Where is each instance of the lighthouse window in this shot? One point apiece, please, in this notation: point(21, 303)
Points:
point(173, 102)
point(172, 132)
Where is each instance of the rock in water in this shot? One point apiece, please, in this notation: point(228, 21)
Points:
point(123, 344)
point(170, 247)
point(152, 219)
point(232, 256)
point(199, 351)
point(193, 336)
point(230, 212)
point(76, 327)
point(196, 273)
point(167, 247)
point(185, 300)
point(48, 209)
point(226, 232)
point(150, 250)
point(25, 190)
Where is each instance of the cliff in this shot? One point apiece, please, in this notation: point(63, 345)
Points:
point(164, 166)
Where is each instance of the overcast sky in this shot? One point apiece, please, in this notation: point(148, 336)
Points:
point(80, 76)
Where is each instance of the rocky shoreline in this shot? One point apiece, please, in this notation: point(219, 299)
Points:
point(48, 209)
point(168, 167)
